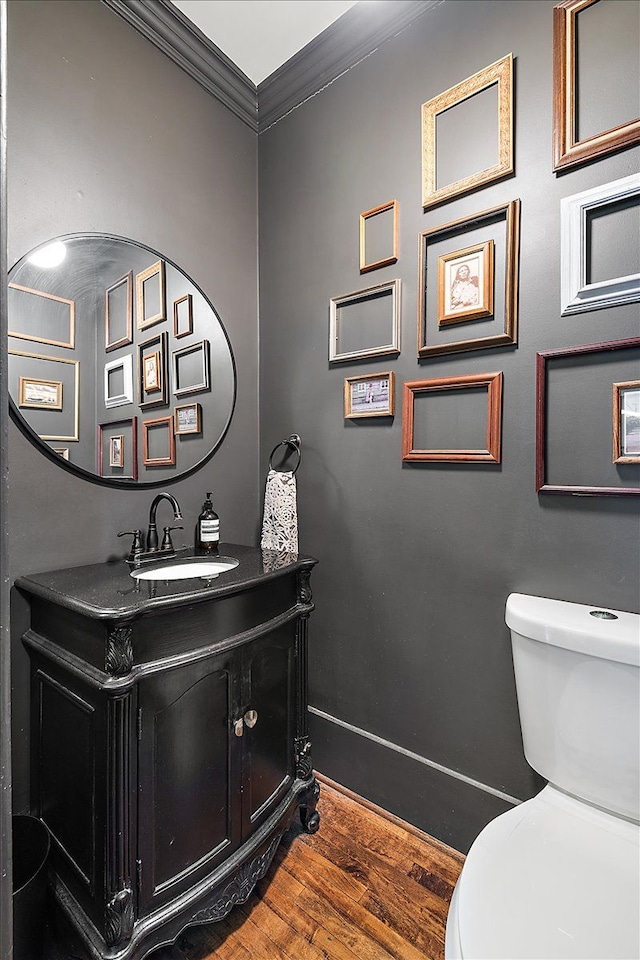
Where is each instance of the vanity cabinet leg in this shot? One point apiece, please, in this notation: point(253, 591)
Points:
point(309, 816)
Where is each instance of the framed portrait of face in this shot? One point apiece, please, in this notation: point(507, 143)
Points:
point(151, 367)
point(116, 451)
point(465, 284)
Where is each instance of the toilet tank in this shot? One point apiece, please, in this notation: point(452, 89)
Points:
point(577, 674)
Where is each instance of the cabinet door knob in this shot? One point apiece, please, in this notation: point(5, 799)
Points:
point(238, 727)
point(251, 718)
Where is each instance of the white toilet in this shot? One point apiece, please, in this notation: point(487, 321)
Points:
point(559, 875)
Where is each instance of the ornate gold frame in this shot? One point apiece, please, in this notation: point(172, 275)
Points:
point(500, 72)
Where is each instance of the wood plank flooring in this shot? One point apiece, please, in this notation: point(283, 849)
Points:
point(365, 887)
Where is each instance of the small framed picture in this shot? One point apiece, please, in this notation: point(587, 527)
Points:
point(465, 284)
point(152, 375)
point(370, 395)
point(626, 422)
point(116, 451)
point(188, 418)
point(183, 316)
point(62, 452)
point(41, 394)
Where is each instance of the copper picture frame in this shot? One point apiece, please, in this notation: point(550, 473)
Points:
point(145, 317)
point(188, 419)
point(384, 208)
point(122, 318)
point(491, 453)
point(128, 448)
point(568, 151)
point(500, 73)
point(158, 424)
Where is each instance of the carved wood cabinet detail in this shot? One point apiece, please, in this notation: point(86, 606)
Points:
point(169, 746)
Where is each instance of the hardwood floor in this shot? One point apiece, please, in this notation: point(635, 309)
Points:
point(367, 886)
point(363, 888)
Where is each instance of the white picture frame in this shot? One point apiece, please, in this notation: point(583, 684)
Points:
point(577, 295)
point(337, 305)
point(113, 399)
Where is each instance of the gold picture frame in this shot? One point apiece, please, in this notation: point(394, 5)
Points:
point(116, 450)
point(384, 208)
point(75, 392)
point(369, 395)
point(159, 423)
point(123, 319)
point(152, 372)
point(469, 295)
point(568, 151)
point(626, 422)
point(40, 394)
point(500, 73)
point(144, 317)
point(70, 342)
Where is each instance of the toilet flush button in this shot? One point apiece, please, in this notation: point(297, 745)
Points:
point(602, 615)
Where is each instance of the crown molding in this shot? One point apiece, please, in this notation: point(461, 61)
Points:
point(355, 35)
point(166, 26)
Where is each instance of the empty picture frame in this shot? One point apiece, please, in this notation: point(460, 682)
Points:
point(127, 432)
point(499, 73)
point(118, 381)
point(48, 370)
point(490, 454)
point(183, 316)
point(577, 292)
point(55, 315)
point(158, 442)
point(191, 369)
point(626, 422)
point(372, 316)
point(370, 395)
point(568, 150)
point(379, 236)
point(153, 356)
point(151, 295)
point(118, 313)
point(543, 359)
point(510, 213)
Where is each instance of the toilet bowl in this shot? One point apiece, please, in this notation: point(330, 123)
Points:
point(558, 876)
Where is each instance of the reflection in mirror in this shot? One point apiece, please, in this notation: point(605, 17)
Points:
point(106, 338)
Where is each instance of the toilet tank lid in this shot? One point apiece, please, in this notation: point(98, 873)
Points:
point(574, 627)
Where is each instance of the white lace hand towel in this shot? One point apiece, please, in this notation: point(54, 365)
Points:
point(280, 519)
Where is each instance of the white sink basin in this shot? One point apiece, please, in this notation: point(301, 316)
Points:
point(188, 569)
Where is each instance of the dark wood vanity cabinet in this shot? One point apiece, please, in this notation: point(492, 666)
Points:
point(169, 743)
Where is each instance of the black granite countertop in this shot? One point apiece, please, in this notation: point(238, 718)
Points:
point(107, 591)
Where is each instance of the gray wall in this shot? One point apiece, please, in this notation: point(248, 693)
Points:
point(408, 642)
point(107, 135)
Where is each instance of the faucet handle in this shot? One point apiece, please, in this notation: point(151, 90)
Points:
point(166, 539)
point(136, 546)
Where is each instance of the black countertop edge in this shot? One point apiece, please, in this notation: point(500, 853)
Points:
point(106, 591)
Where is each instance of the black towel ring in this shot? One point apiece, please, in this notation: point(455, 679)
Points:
point(292, 441)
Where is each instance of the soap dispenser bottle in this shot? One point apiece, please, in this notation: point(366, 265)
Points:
point(207, 529)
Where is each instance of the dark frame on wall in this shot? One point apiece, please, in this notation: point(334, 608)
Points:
point(511, 214)
point(567, 150)
point(542, 361)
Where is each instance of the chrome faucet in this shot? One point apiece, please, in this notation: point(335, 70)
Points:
point(152, 532)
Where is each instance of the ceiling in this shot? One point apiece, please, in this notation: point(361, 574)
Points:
point(260, 35)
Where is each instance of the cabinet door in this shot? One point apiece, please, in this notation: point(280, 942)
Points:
point(189, 776)
point(268, 671)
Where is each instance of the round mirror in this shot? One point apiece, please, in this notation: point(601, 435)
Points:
point(119, 366)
